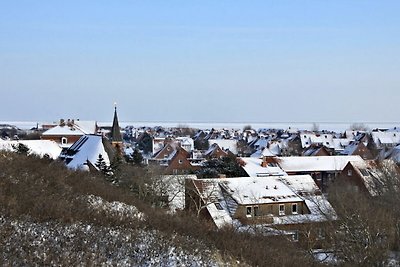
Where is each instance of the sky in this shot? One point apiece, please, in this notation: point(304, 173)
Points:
point(200, 61)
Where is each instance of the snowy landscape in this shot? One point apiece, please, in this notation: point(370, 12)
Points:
point(200, 133)
point(288, 185)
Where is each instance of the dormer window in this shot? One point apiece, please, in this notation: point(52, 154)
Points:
point(64, 140)
point(218, 206)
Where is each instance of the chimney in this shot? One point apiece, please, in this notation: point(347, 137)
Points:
point(62, 122)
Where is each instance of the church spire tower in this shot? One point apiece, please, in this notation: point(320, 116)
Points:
point(116, 138)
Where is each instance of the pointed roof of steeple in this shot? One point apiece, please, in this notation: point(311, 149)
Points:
point(115, 130)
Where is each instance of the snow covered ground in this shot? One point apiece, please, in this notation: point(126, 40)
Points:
point(37, 147)
point(115, 208)
point(26, 243)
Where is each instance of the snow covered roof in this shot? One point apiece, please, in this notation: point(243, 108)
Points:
point(254, 169)
point(393, 154)
point(77, 128)
point(373, 178)
point(308, 139)
point(87, 148)
point(88, 127)
point(258, 190)
point(301, 184)
point(386, 138)
point(230, 144)
point(64, 131)
point(351, 148)
point(37, 147)
point(315, 163)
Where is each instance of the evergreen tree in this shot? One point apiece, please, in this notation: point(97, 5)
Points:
point(136, 157)
point(102, 165)
point(145, 143)
point(226, 165)
point(21, 149)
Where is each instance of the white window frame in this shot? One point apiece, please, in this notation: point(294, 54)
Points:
point(281, 212)
point(64, 140)
point(247, 211)
point(297, 208)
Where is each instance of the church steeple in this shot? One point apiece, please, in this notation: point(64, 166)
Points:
point(115, 130)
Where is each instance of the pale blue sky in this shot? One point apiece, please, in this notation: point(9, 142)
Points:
point(227, 61)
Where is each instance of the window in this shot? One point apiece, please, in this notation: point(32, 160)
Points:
point(180, 161)
point(64, 140)
point(218, 206)
point(295, 236)
point(248, 212)
point(281, 209)
point(294, 208)
point(349, 172)
point(256, 211)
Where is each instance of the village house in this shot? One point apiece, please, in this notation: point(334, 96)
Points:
point(386, 139)
point(370, 176)
point(86, 152)
point(69, 131)
point(358, 148)
point(284, 203)
point(226, 144)
point(174, 159)
point(323, 169)
point(215, 152)
point(326, 139)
